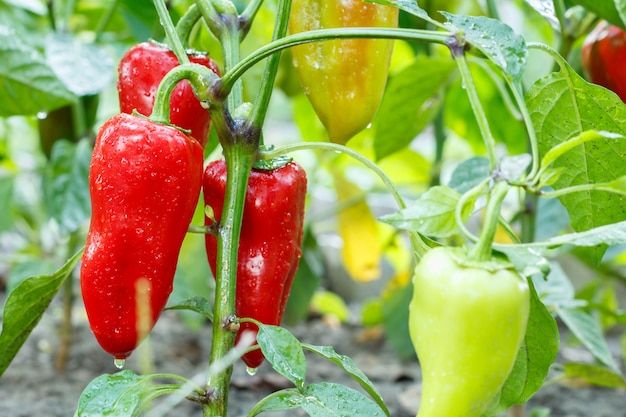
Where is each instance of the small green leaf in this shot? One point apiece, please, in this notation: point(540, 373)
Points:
point(334, 400)
point(495, 39)
point(513, 167)
point(409, 6)
point(594, 374)
point(432, 214)
point(286, 399)
point(351, 369)
point(25, 306)
point(320, 400)
point(469, 174)
point(284, 352)
point(589, 332)
point(197, 304)
point(123, 394)
point(546, 9)
point(329, 303)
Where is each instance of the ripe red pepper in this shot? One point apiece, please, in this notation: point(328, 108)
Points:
point(144, 182)
point(270, 241)
point(141, 70)
point(604, 57)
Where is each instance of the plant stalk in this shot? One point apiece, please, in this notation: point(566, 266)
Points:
point(239, 159)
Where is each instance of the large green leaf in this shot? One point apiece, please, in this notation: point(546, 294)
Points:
point(606, 9)
point(411, 100)
point(25, 307)
point(27, 84)
point(563, 105)
point(284, 352)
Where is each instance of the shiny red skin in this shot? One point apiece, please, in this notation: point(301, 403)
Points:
point(604, 58)
point(139, 73)
point(144, 182)
point(270, 241)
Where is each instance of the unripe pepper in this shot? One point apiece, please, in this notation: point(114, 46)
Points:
point(343, 79)
point(141, 70)
point(144, 181)
point(270, 241)
point(604, 57)
point(467, 322)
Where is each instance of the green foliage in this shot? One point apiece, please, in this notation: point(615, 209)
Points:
point(25, 306)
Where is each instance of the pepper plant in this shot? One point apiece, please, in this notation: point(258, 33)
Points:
point(480, 312)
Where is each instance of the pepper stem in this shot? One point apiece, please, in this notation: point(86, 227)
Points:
point(239, 160)
point(481, 252)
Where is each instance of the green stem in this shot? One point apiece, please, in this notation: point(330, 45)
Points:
point(477, 108)
point(247, 17)
point(492, 9)
point(261, 104)
point(481, 252)
point(185, 24)
point(533, 143)
point(174, 41)
point(607, 187)
point(239, 160)
point(472, 195)
point(201, 79)
point(440, 140)
point(233, 74)
point(420, 247)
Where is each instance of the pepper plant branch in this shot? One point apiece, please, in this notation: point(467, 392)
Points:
point(472, 194)
point(605, 186)
point(239, 160)
point(186, 23)
point(170, 31)
point(247, 16)
point(477, 108)
point(261, 104)
point(419, 246)
point(516, 90)
point(233, 74)
point(105, 19)
point(201, 79)
point(481, 252)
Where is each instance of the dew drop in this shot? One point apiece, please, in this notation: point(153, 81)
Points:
point(251, 371)
point(119, 363)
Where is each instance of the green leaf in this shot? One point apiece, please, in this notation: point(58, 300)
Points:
point(411, 100)
point(141, 19)
point(351, 369)
point(84, 68)
point(124, 394)
point(409, 6)
point(589, 332)
point(432, 214)
point(469, 174)
point(620, 5)
point(594, 374)
point(67, 184)
point(563, 106)
point(321, 400)
point(512, 168)
point(25, 306)
point(284, 352)
point(495, 40)
point(197, 304)
point(27, 84)
point(556, 290)
point(546, 9)
point(536, 355)
point(6, 198)
point(559, 150)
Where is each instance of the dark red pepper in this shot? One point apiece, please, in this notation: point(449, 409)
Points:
point(604, 57)
point(144, 180)
point(141, 70)
point(270, 241)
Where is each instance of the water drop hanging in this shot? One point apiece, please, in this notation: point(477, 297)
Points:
point(251, 371)
point(119, 363)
